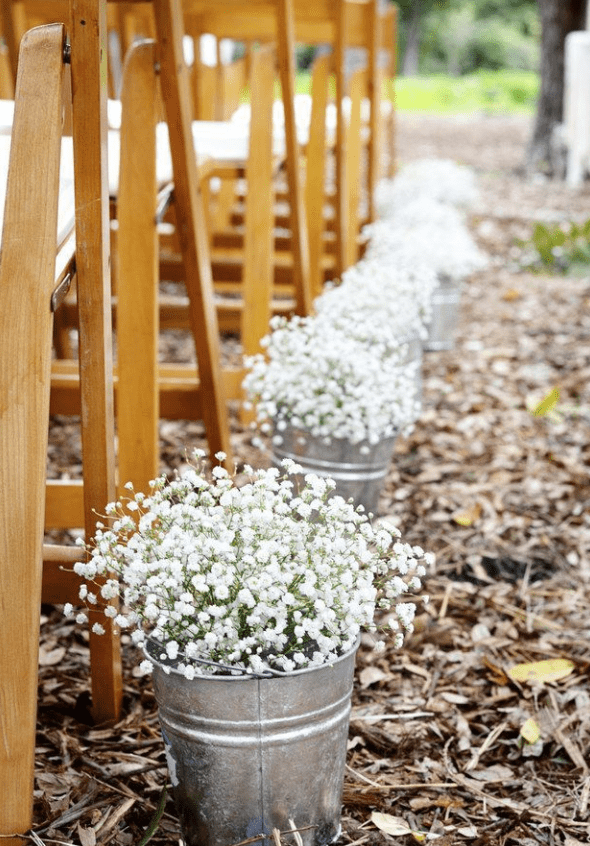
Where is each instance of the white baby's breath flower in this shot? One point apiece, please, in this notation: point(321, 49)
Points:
point(437, 179)
point(240, 577)
point(333, 378)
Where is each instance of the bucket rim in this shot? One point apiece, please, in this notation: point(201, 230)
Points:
point(170, 669)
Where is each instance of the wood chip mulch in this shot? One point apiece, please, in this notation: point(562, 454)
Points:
point(444, 741)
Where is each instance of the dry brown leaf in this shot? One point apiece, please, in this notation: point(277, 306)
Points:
point(371, 675)
point(52, 656)
point(395, 826)
point(454, 698)
point(87, 836)
point(495, 773)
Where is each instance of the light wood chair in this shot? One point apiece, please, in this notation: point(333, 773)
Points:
point(160, 388)
point(238, 19)
point(18, 16)
point(341, 25)
point(30, 264)
point(388, 70)
point(248, 304)
point(28, 293)
point(193, 242)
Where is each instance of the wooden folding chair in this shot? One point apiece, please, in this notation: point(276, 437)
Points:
point(29, 264)
point(194, 246)
point(27, 295)
point(267, 20)
point(18, 16)
point(355, 24)
point(161, 388)
point(388, 69)
point(342, 24)
point(248, 306)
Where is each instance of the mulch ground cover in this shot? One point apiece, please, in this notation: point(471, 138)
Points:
point(449, 743)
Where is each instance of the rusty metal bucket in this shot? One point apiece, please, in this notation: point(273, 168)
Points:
point(247, 755)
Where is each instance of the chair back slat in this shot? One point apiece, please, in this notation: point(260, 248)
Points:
point(27, 267)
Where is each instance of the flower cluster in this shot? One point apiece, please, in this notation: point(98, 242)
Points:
point(350, 370)
point(392, 298)
point(421, 218)
point(428, 233)
point(260, 577)
point(441, 180)
point(334, 383)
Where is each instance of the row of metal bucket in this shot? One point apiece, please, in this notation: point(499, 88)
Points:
point(421, 222)
point(360, 469)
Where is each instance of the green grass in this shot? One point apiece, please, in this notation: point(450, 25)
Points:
point(501, 91)
point(490, 91)
point(303, 82)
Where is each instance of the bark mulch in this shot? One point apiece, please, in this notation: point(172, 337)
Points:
point(447, 744)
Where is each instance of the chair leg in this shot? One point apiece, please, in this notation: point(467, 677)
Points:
point(88, 60)
point(257, 280)
point(286, 50)
point(26, 281)
point(191, 223)
point(137, 312)
point(315, 176)
point(353, 168)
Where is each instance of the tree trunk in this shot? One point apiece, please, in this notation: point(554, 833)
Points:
point(558, 18)
point(412, 51)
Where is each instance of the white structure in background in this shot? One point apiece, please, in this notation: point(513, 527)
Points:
point(576, 106)
point(209, 50)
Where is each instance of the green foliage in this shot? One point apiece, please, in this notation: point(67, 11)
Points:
point(460, 42)
point(305, 54)
point(489, 91)
point(560, 248)
point(521, 14)
point(460, 36)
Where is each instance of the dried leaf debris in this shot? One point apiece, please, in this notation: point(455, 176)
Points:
point(451, 741)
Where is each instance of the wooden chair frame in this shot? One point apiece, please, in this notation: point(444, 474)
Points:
point(23, 589)
point(27, 280)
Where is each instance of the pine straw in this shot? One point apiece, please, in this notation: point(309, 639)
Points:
point(502, 497)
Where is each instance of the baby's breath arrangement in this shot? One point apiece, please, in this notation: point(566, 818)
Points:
point(335, 378)
point(426, 232)
point(216, 576)
point(384, 299)
point(442, 180)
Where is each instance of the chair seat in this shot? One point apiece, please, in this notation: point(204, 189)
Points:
point(218, 144)
point(303, 103)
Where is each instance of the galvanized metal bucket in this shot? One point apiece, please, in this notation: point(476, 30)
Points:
point(359, 470)
point(247, 755)
point(412, 361)
point(446, 300)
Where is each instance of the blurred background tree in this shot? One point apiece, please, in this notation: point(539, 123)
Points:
point(558, 18)
point(459, 36)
